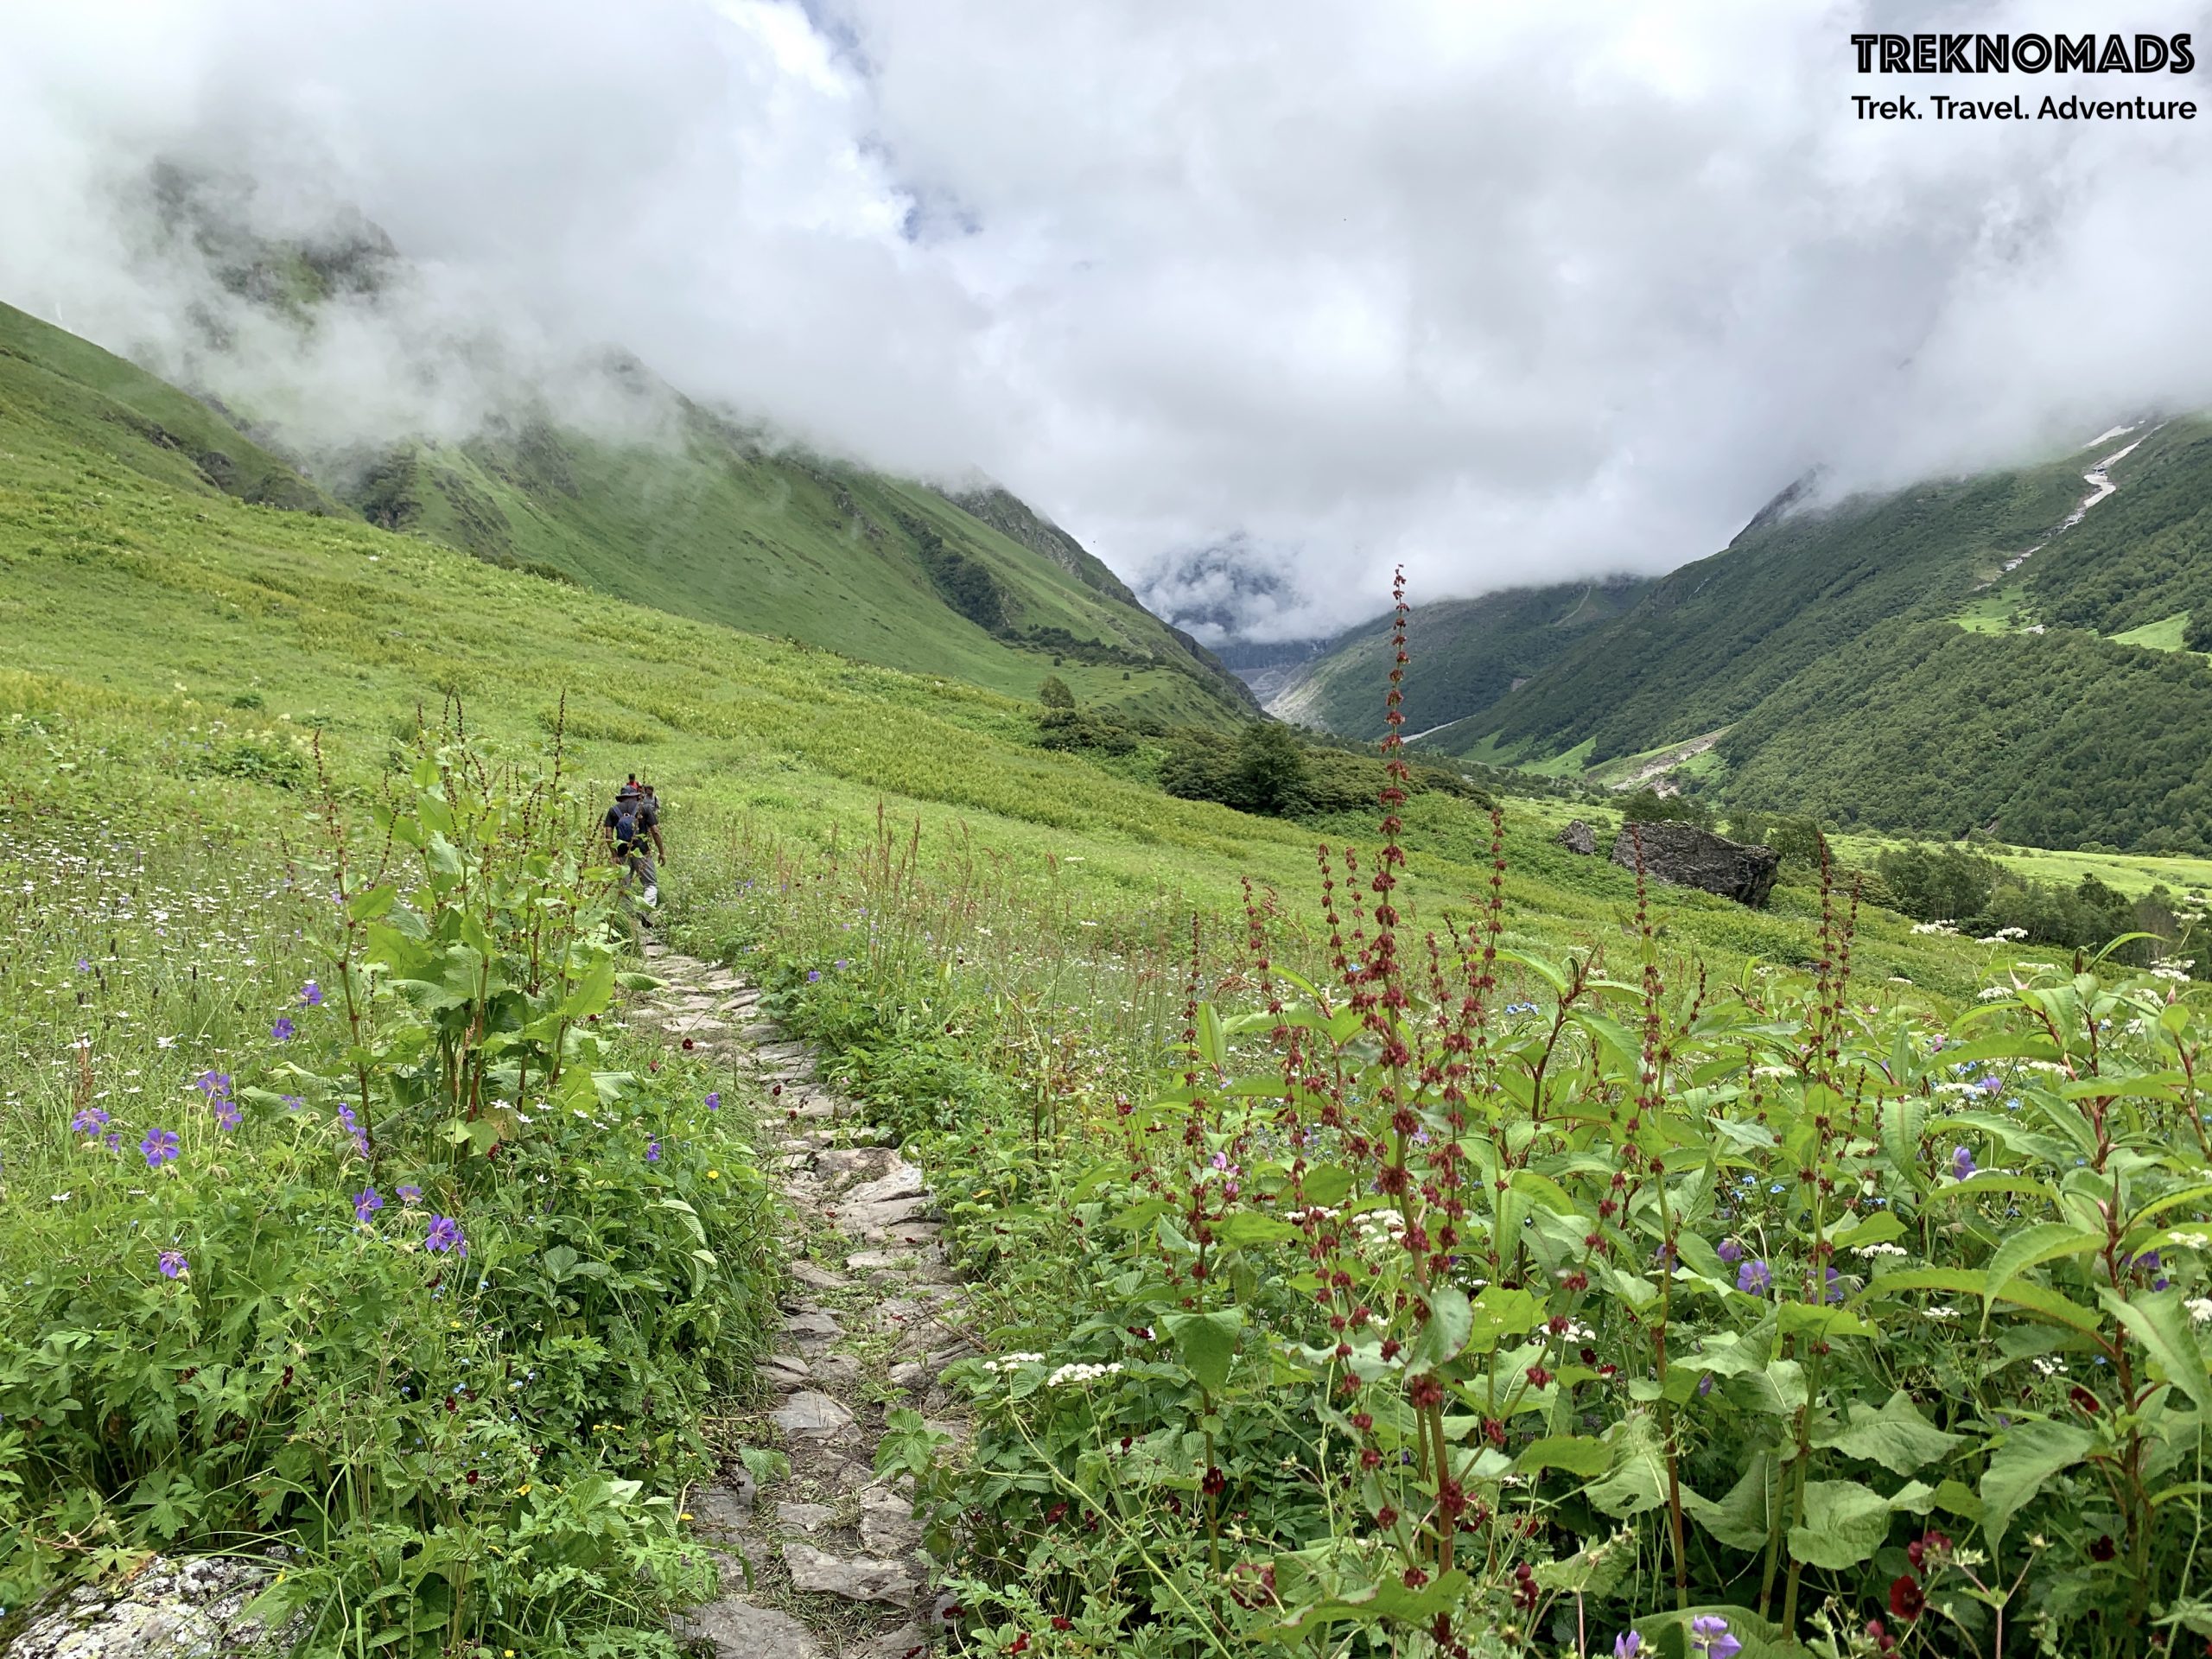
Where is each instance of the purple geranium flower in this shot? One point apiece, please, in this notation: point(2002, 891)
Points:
point(283, 1030)
point(445, 1234)
point(173, 1264)
point(1628, 1646)
point(213, 1083)
point(410, 1193)
point(714, 1100)
point(1730, 1251)
point(91, 1120)
point(353, 1127)
point(227, 1112)
point(292, 1103)
point(813, 976)
point(311, 995)
point(1753, 1278)
point(1835, 1285)
point(1709, 1636)
point(367, 1203)
point(161, 1147)
point(1962, 1163)
point(653, 1150)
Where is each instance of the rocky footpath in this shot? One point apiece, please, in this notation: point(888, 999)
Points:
point(824, 1561)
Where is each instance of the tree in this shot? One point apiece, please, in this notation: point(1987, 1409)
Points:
point(1270, 774)
point(1054, 693)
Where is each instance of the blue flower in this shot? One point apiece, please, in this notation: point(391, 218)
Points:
point(1729, 1252)
point(1628, 1645)
point(161, 1147)
point(311, 995)
point(1709, 1636)
point(1753, 1278)
point(1962, 1163)
point(283, 1030)
point(367, 1203)
point(445, 1234)
point(714, 1100)
point(652, 1151)
point(410, 1193)
point(813, 976)
point(173, 1264)
point(90, 1120)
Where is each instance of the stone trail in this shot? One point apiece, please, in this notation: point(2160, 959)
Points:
point(825, 1562)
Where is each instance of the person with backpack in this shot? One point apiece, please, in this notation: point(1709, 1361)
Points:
point(632, 829)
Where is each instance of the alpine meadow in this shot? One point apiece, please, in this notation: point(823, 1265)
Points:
point(643, 1019)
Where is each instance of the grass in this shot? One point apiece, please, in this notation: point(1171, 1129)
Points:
point(1994, 611)
point(2164, 634)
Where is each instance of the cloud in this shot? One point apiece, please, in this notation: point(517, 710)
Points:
point(1506, 293)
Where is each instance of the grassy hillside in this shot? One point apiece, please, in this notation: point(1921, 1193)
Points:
point(1961, 652)
point(1475, 653)
point(690, 513)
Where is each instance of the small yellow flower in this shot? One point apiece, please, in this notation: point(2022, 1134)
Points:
point(523, 1491)
point(686, 1515)
point(714, 1174)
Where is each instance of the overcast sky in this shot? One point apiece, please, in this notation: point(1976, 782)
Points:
point(1509, 293)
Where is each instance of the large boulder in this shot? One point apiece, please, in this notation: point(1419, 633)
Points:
point(1687, 856)
point(1579, 837)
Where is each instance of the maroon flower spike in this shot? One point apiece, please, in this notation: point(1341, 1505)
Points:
point(1906, 1597)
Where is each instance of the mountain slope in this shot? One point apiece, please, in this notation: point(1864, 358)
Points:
point(649, 496)
point(1474, 652)
point(2020, 647)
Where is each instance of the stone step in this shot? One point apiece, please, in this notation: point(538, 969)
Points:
point(860, 1578)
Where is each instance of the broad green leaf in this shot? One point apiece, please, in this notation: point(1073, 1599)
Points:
point(2031, 1454)
point(1743, 1518)
point(2030, 1247)
point(1450, 1318)
point(1844, 1524)
point(2159, 1323)
point(1897, 1437)
point(1579, 1454)
point(1638, 1480)
point(1207, 1343)
point(1821, 1323)
point(1880, 1227)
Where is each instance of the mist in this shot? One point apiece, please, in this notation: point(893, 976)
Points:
point(1505, 295)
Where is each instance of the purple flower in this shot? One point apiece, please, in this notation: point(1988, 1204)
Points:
point(1835, 1285)
point(113, 1142)
point(161, 1147)
point(1961, 1163)
point(173, 1264)
point(410, 1193)
point(1628, 1645)
point(1709, 1636)
point(353, 1127)
point(1705, 1385)
point(1730, 1251)
point(227, 1112)
point(445, 1234)
point(211, 1083)
point(714, 1100)
point(91, 1120)
point(653, 1150)
point(367, 1203)
point(1753, 1278)
point(813, 976)
point(311, 995)
point(83, 966)
point(292, 1103)
point(283, 1030)
point(1989, 1086)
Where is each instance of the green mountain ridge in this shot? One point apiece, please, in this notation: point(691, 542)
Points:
point(658, 498)
point(1939, 657)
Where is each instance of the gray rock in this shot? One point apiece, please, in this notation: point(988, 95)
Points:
point(1579, 837)
point(882, 1260)
point(839, 1370)
point(1684, 855)
point(910, 1375)
point(861, 1577)
point(170, 1610)
point(726, 1508)
point(813, 1325)
point(807, 1518)
point(738, 1630)
point(812, 1415)
point(901, 1181)
point(820, 1278)
point(907, 1642)
point(888, 1529)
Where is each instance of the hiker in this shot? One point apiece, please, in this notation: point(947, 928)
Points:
point(629, 825)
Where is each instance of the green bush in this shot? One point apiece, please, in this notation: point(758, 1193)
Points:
point(401, 1266)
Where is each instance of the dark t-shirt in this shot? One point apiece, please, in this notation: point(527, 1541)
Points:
point(642, 816)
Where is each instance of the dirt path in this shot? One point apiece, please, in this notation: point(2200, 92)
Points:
point(823, 1561)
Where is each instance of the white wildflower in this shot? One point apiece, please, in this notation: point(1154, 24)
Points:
point(1012, 1362)
point(1079, 1373)
point(2200, 1309)
point(1870, 1250)
point(1943, 1311)
point(2049, 1367)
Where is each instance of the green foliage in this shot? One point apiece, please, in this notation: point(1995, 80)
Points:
point(1054, 693)
point(413, 1276)
point(1647, 805)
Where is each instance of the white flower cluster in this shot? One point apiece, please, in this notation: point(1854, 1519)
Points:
point(1012, 1362)
point(1993, 993)
point(1319, 1213)
point(1081, 1373)
point(2048, 1367)
point(2191, 1241)
point(1872, 1251)
point(2178, 975)
point(1944, 1310)
point(1947, 930)
point(2200, 1309)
